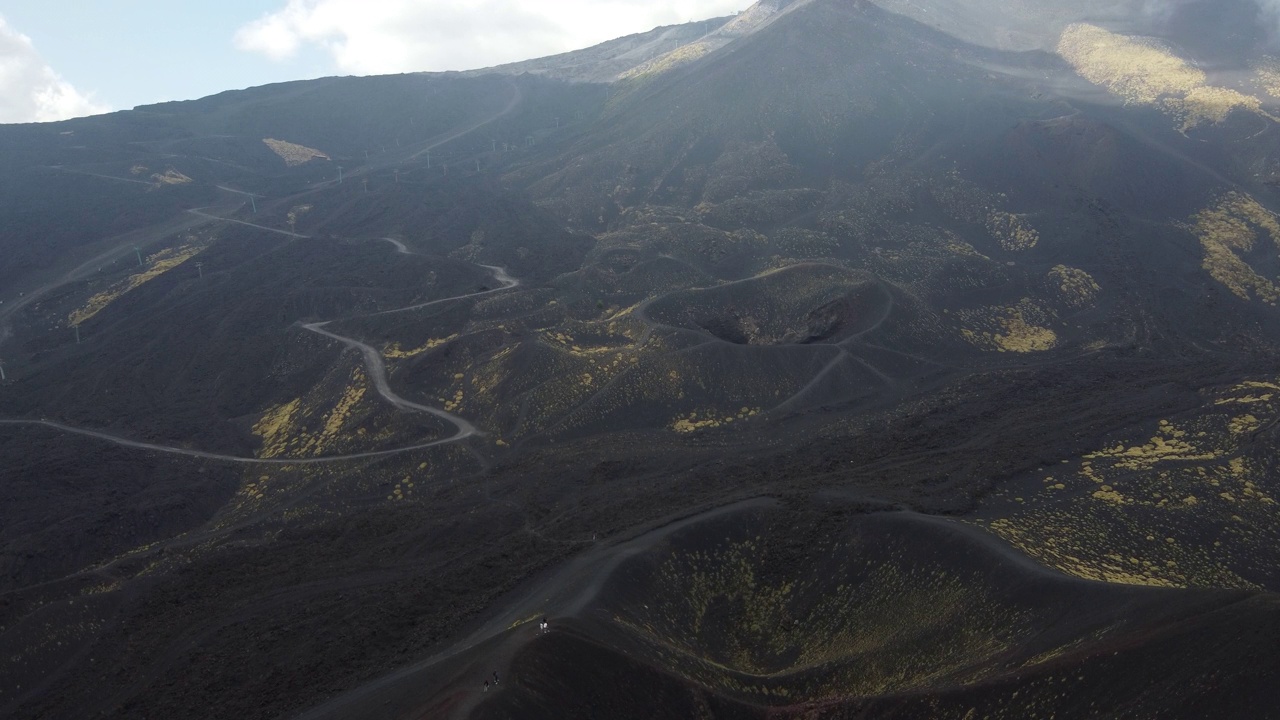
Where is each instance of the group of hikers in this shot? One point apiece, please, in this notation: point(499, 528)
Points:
point(543, 626)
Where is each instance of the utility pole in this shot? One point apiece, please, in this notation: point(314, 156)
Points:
point(365, 182)
point(339, 174)
point(200, 269)
point(255, 204)
point(77, 327)
point(495, 146)
point(138, 251)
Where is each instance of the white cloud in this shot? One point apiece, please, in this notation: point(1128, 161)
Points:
point(30, 91)
point(386, 36)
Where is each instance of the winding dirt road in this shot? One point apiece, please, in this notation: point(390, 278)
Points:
point(375, 366)
point(374, 363)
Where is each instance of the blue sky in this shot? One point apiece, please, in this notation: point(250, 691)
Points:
point(132, 52)
point(61, 58)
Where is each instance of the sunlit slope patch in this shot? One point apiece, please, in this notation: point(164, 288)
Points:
point(1184, 501)
point(292, 153)
point(1143, 73)
point(774, 614)
point(154, 266)
point(342, 415)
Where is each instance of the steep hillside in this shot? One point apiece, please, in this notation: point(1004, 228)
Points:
point(317, 396)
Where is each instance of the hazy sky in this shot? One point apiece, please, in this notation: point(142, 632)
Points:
point(66, 58)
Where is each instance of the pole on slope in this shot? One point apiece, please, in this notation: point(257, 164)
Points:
point(200, 269)
point(254, 203)
point(477, 164)
point(495, 146)
point(365, 182)
point(2, 376)
point(397, 177)
point(339, 174)
point(138, 251)
point(77, 327)
point(428, 159)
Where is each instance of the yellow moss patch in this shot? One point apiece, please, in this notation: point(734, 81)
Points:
point(342, 410)
point(1245, 424)
point(1229, 229)
point(289, 430)
point(1109, 494)
point(395, 351)
point(1266, 75)
point(1009, 329)
point(1021, 337)
point(296, 214)
point(403, 490)
point(1013, 232)
point(1077, 287)
point(293, 154)
point(171, 177)
point(693, 422)
point(157, 265)
point(275, 428)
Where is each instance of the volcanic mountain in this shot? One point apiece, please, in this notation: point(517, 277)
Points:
point(837, 359)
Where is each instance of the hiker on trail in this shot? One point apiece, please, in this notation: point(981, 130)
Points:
point(495, 677)
point(544, 625)
point(486, 686)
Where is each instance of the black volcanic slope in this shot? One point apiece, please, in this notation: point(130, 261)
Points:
point(814, 612)
point(318, 395)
